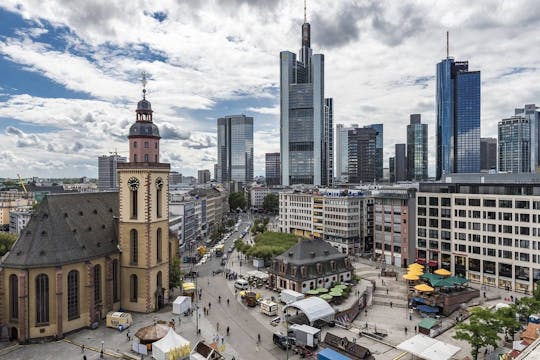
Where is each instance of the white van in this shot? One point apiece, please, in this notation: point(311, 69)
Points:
point(241, 284)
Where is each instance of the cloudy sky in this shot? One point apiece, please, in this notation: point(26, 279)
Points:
point(69, 71)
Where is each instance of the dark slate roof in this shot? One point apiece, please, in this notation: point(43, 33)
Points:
point(310, 251)
point(67, 228)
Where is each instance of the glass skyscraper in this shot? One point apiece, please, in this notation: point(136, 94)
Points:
point(514, 145)
point(235, 149)
point(342, 152)
point(379, 150)
point(362, 143)
point(306, 144)
point(530, 112)
point(458, 118)
point(417, 149)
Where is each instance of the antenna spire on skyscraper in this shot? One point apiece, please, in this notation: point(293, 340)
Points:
point(305, 12)
point(447, 44)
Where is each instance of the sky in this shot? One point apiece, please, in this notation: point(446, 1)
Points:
point(70, 71)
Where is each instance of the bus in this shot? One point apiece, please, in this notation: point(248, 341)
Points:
point(219, 250)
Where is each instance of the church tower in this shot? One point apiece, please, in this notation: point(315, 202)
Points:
point(144, 216)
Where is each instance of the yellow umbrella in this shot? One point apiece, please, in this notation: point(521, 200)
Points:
point(410, 277)
point(443, 272)
point(416, 265)
point(415, 272)
point(424, 288)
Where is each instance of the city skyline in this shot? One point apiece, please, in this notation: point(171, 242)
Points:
point(53, 118)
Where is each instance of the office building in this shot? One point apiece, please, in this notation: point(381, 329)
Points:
point(362, 155)
point(417, 149)
point(328, 149)
point(216, 170)
point(342, 217)
point(203, 176)
point(400, 162)
point(272, 169)
point(258, 193)
point(488, 154)
point(107, 176)
point(235, 149)
point(342, 152)
point(482, 227)
point(18, 220)
point(514, 145)
point(530, 112)
point(394, 225)
point(379, 148)
point(458, 118)
point(304, 117)
point(392, 169)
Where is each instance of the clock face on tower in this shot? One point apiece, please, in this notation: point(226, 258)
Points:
point(159, 183)
point(133, 183)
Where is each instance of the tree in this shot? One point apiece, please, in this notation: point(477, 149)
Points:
point(6, 242)
point(526, 306)
point(507, 320)
point(271, 203)
point(536, 291)
point(481, 330)
point(237, 200)
point(175, 275)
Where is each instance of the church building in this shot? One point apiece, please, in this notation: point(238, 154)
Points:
point(85, 254)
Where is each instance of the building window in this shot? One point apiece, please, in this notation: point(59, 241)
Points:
point(158, 202)
point(146, 145)
point(13, 297)
point(155, 158)
point(97, 284)
point(116, 296)
point(73, 294)
point(158, 244)
point(134, 144)
point(133, 288)
point(134, 157)
point(145, 157)
point(42, 299)
point(159, 281)
point(134, 246)
point(134, 204)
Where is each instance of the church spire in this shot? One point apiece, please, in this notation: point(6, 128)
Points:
point(143, 82)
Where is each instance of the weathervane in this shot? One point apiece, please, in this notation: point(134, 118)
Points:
point(144, 82)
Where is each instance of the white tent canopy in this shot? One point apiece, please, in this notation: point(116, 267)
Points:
point(427, 348)
point(181, 305)
point(314, 308)
point(171, 346)
point(258, 274)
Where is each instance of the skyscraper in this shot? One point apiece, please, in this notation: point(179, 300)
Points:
point(417, 149)
point(400, 164)
point(203, 176)
point(328, 161)
point(362, 150)
point(514, 145)
point(273, 169)
point(235, 149)
point(107, 176)
point(488, 154)
point(530, 112)
point(458, 118)
point(392, 169)
point(342, 152)
point(379, 150)
point(305, 143)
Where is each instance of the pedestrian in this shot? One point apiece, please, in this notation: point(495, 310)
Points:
point(208, 282)
point(386, 291)
point(485, 297)
point(227, 331)
point(406, 330)
point(415, 329)
point(222, 340)
point(258, 338)
point(82, 348)
point(217, 326)
point(101, 354)
point(179, 321)
point(127, 335)
point(204, 310)
point(84, 357)
point(209, 305)
point(410, 317)
point(199, 296)
point(365, 311)
point(391, 304)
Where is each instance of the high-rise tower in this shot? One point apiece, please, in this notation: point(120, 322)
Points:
point(417, 149)
point(306, 144)
point(458, 118)
point(144, 216)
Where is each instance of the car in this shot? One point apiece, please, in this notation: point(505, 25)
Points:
point(230, 250)
point(191, 274)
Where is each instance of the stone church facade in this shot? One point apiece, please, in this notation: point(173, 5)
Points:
point(83, 255)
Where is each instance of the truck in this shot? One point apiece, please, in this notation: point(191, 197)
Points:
point(305, 335)
point(219, 250)
point(289, 296)
point(269, 307)
point(284, 342)
point(250, 299)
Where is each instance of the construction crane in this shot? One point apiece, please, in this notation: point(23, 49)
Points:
point(22, 183)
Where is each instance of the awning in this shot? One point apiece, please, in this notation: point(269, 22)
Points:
point(428, 348)
point(418, 300)
point(427, 309)
point(421, 261)
point(314, 308)
point(433, 263)
point(431, 277)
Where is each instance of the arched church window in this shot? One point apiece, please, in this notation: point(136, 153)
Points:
point(42, 299)
point(158, 244)
point(134, 246)
point(73, 294)
point(13, 297)
point(133, 288)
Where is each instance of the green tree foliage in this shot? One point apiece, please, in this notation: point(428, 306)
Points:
point(237, 200)
point(481, 330)
point(268, 245)
point(271, 203)
point(508, 322)
point(526, 306)
point(6, 242)
point(259, 226)
point(175, 275)
point(536, 291)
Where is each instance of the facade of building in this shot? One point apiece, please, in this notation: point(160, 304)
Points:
point(182, 219)
point(342, 217)
point(362, 144)
point(273, 169)
point(458, 118)
point(394, 226)
point(417, 149)
point(85, 254)
point(400, 162)
point(107, 175)
point(216, 201)
point(18, 220)
point(514, 145)
point(488, 154)
point(9, 203)
point(304, 116)
point(379, 148)
point(175, 178)
point(531, 113)
point(203, 176)
point(342, 152)
point(392, 169)
point(235, 149)
point(328, 150)
point(484, 229)
point(308, 265)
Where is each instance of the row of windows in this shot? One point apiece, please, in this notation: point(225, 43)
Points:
point(134, 246)
point(503, 203)
point(146, 145)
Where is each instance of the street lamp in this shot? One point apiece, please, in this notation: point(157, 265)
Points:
point(101, 354)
